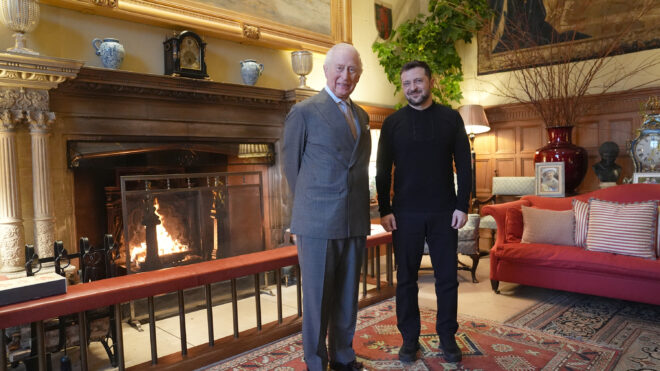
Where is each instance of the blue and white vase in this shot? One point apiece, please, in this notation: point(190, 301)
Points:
point(250, 71)
point(111, 52)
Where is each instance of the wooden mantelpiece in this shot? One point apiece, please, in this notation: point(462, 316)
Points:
point(110, 102)
point(517, 131)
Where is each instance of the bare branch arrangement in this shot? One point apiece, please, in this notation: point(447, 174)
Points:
point(554, 72)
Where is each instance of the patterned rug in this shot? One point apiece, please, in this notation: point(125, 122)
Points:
point(631, 328)
point(485, 345)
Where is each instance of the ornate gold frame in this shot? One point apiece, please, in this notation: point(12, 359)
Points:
point(209, 20)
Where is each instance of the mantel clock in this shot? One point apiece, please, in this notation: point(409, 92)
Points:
point(185, 56)
point(645, 148)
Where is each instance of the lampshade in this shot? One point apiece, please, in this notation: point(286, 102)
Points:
point(474, 118)
point(249, 150)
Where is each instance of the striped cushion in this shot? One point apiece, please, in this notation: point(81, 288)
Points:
point(627, 229)
point(581, 211)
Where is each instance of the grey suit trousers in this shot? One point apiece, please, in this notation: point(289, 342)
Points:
point(330, 283)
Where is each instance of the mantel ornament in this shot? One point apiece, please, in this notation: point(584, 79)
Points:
point(185, 55)
point(111, 52)
point(250, 71)
point(645, 148)
point(302, 63)
point(20, 16)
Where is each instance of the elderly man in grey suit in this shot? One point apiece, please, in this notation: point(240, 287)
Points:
point(326, 155)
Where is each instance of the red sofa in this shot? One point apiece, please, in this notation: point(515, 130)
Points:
point(572, 268)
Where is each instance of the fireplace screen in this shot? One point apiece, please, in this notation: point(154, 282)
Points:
point(176, 219)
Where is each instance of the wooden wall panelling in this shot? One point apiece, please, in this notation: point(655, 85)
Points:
point(516, 133)
point(532, 137)
point(527, 166)
point(483, 148)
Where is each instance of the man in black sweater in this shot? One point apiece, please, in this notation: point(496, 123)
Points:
point(424, 141)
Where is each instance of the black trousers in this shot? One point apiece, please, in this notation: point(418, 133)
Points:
point(408, 239)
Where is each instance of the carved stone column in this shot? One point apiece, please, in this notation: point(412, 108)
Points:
point(12, 236)
point(44, 220)
point(24, 84)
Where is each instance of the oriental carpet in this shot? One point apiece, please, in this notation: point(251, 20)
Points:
point(486, 345)
point(631, 328)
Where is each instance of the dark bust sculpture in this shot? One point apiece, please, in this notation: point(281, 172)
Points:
point(606, 170)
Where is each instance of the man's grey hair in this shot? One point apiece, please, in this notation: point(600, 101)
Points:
point(341, 46)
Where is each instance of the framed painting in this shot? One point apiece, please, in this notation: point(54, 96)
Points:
point(314, 25)
point(589, 26)
point(550, 179)
point(648, 178)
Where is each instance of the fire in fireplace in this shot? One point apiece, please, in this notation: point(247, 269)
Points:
point(174, 219)
point(167, 244)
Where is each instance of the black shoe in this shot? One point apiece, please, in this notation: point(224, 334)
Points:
point(450, 349)
point(353, 365)
point(408, 351)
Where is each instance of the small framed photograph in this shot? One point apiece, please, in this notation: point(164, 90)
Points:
point(649, 178)
point(550, 179)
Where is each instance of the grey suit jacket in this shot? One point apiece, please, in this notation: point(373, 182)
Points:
point(327, 170)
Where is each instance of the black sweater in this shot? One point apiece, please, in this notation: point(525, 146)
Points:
point(423, 146)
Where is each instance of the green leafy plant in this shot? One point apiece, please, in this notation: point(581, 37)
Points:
point(431, 38)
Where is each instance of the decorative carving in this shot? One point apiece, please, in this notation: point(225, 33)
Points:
point(30, 76)
point(126, 90)
point(10, 118)
point(24, 99)
point(11, 247)
point(251, 32)
point(106, 3)
point(44, 236)
point(40, 120)
point(29, 71)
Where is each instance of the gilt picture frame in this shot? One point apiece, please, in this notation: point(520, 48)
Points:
point(585, 25)
point(263, 24)
point(550, 179)
point(648, 178)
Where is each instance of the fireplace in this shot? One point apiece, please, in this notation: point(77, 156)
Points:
point(169, 143)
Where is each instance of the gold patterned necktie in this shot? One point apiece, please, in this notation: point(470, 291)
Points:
point(349, 117)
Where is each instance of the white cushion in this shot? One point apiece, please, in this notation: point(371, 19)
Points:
point(513, 185)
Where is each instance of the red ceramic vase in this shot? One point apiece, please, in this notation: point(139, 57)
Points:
point(560, 149)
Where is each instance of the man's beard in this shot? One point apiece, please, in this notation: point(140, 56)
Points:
point(416, 102)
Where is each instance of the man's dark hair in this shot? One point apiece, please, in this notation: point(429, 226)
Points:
point(414, 64)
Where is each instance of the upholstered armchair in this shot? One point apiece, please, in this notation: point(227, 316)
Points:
point(468, 244)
